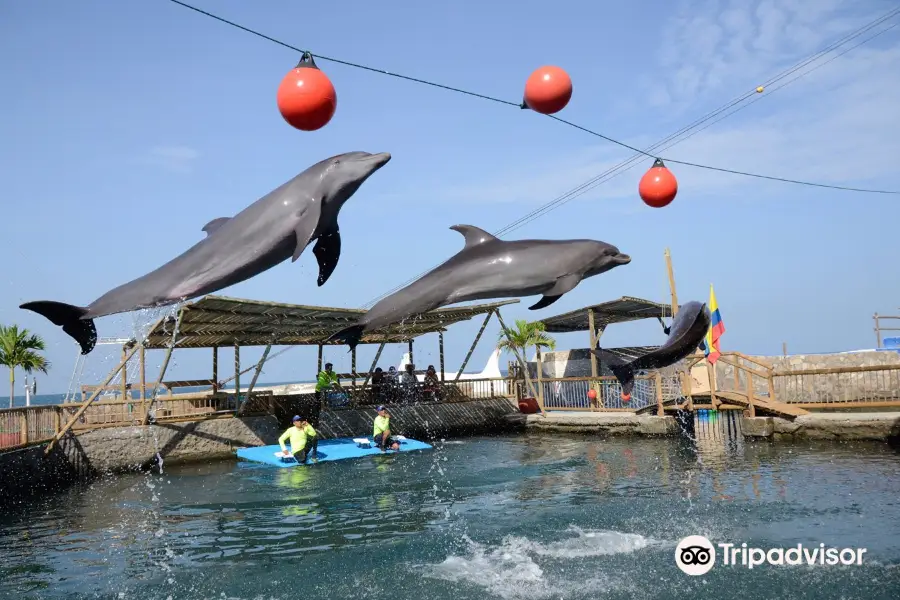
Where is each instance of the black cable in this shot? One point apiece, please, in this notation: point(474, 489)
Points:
point(518, 105)
point(629, 163)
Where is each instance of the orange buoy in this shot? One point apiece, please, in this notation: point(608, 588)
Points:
point(658, 186)
point(592, 394)
point(306, 97)
point(626, 398)
point(547, 90)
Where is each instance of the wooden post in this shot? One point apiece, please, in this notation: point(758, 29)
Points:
point(353, 368)
point(142, 364)
point(237, 377)
point(441, 352)
point(23, 426)
point(374, 364)
point(124, 385)
point(57, 420)
point(85, 404)
point(784, 348)
point(711, 374)
point(215, 373)
point(750, 394)
point(540, 380)
point(319, 367)
point(411, 359)
point(522, 363)
point(877, 332)
point(465, 361)
point(593, 338)
point(659, 395)
point(672, 283)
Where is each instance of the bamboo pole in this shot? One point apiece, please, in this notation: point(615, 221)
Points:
point(237, 377)
point(165, 366)
point(593, 342)
point(374, 364)
point(319, 367)
point(142, 365)
point(411, 359)
point(465, 361)
point(441, 352)
point(539, 363)
point(672, 283)
point(86, 403)
point(215, 373)
point(659, 395)
point(353, 367)
point(124, 383)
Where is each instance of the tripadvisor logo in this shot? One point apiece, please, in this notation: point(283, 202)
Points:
point(696, 555)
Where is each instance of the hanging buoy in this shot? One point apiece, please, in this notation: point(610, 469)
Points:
point(547, 90)
point(658, 186)
point(592, 394)
point(306, 97)
point(626, 398)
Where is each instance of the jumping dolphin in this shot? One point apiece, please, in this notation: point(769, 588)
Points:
point(488, 267)
point(276, 227)
point(685, 334)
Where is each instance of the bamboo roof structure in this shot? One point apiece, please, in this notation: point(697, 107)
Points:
point(622, 310)
point(222, 321)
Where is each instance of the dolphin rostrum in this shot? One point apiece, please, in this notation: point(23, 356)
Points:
point(488, 267)
point(278, 226)
point(685, 334)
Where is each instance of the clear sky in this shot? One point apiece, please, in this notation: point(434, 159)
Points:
point(126, 126)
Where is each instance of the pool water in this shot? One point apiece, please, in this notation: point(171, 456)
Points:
point(515, 517)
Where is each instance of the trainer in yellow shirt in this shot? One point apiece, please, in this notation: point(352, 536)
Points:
point(304, 439)
point(381, 431)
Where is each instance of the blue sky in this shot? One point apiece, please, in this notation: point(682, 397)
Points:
point(127, 126)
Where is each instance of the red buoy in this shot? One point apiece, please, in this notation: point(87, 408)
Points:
point(626, 398)
point(658, 186)
point(547, 90)
point(592, 394)
point(306, 97)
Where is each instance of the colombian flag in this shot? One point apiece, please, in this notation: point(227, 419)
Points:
point(710, 344)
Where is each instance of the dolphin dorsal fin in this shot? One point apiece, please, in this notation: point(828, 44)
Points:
point(474, 235)
point(210, 227)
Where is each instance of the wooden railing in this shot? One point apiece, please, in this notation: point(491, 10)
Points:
point(840, 387)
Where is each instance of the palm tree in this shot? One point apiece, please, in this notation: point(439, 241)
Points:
point(20, 350)
point(524, 336)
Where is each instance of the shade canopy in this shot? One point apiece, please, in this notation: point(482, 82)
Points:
point(222, 321)
point(622, 310)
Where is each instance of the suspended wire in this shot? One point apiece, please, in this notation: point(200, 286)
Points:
point(518, 105)
point(629, 163)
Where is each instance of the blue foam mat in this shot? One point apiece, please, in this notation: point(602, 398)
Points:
point(329, 450)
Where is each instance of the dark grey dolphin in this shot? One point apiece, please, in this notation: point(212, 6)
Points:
point(276, 227)
point(685, 334)
point(488, 267)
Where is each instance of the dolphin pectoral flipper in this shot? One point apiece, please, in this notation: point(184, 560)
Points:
point(564, 284)
point(210, 227)
point(305, 228)
point(328, 251)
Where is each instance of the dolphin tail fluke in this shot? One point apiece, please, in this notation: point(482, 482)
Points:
point(70, 318)
point(349, 335)
point(623, 371)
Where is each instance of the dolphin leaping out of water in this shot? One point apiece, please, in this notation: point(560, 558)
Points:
point(488, 267)
point(278, 226)
point(685, 334)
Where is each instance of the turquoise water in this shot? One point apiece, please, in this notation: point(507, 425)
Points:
point(519, 517)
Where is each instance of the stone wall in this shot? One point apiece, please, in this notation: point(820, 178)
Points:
point(120, 449)
point(117, 449)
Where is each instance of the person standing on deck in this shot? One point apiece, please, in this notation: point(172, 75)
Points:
point(302, 436)
point(381, 432)
point(326, 380)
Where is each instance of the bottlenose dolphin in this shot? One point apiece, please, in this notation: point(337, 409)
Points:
point(276, 227)
point(488, 267)
point(685, 334)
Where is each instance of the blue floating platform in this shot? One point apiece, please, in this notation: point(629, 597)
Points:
point(329, 450)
